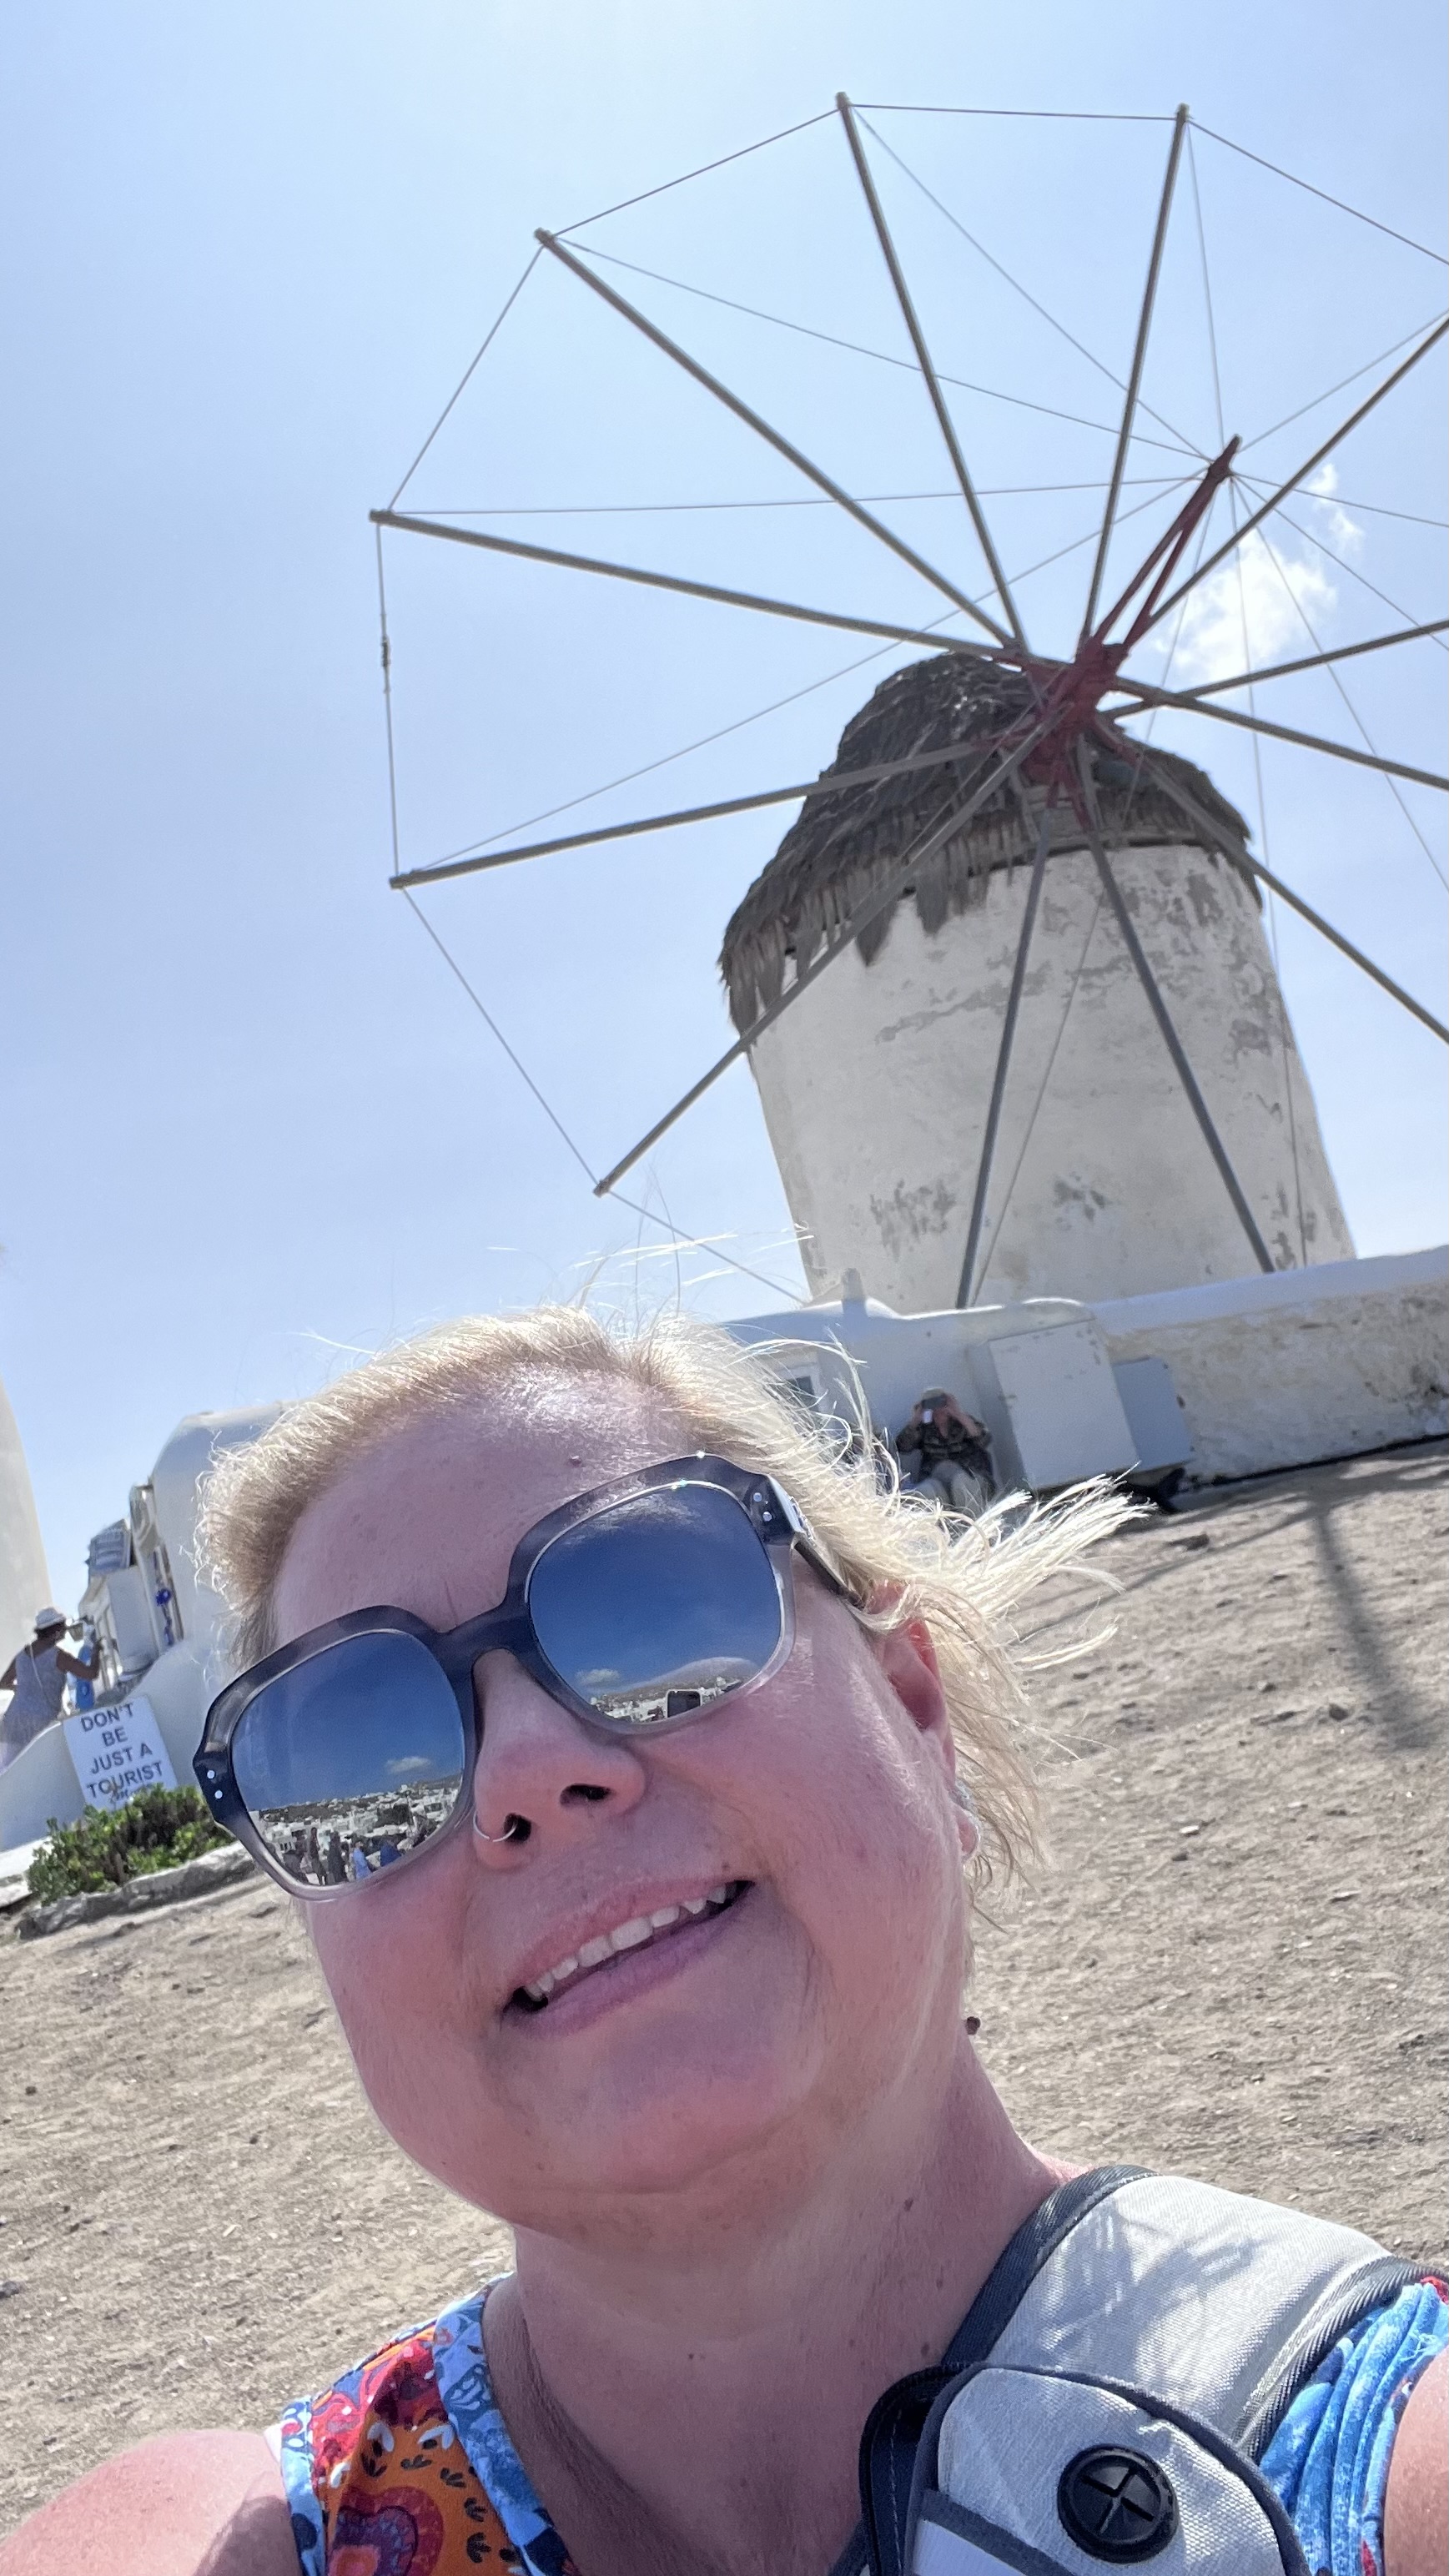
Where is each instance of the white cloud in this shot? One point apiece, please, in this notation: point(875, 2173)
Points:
point(1338, 529)
point(1246, 613)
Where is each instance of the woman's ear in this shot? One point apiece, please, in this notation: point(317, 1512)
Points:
point(907, 1657)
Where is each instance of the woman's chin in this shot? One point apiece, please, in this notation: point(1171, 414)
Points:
point(680, 2096)
point(655, 2127)
point(665, 2110)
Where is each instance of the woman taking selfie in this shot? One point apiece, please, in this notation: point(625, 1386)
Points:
point(690, 1744)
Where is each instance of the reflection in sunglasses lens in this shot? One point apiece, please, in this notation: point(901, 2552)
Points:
point(659, 1606)
point(351, 1760)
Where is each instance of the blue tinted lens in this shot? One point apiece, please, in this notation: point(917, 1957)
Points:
point(658, 1606)
point(351, 1759)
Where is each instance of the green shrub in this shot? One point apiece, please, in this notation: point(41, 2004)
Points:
point(105, 1847)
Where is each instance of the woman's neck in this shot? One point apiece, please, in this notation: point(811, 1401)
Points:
point(695, 2405)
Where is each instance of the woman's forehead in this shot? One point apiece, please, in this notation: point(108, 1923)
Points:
point(428, 1516)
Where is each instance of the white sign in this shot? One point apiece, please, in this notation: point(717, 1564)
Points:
point(117, 1751)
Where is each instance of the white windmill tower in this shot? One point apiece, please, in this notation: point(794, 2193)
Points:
point(881, 1089)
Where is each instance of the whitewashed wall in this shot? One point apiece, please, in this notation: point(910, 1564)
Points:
point(1280, 1371)
point(875, 1085)
point(1332, 1363)
point(24, 1582)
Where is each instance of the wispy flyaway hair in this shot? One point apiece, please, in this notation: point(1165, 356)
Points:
point(901, 1560)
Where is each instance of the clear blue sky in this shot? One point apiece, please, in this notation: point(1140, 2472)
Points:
point(250, 1121)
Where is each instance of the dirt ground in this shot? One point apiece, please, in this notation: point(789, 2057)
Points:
point(1234, 1970)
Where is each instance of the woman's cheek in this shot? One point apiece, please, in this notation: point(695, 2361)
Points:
point(406, 2059)
point(877, 1877)
point(377, 1982)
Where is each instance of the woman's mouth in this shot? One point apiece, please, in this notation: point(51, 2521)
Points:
point(640, 1932)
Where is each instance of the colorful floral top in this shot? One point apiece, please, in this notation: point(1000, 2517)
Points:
point(405, 2467)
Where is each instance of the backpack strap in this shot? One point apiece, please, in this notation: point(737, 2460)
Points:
point(1342, 2306)
point(1050, 2473)
point(1205, 2310)
point(1031, 2249)
point(1201, 2295)
point(896, 2422)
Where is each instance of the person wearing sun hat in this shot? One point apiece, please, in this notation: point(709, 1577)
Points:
point(36, 1677)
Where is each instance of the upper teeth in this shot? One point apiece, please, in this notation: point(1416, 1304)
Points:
point(625, 1936)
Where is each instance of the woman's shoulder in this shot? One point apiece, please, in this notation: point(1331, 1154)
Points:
point(1334, 2459)
point(204, 2501)
point(377, 2459)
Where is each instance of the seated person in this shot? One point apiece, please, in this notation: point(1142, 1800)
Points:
point(946, 1453)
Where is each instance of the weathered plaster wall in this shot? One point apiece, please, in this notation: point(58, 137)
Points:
point(875, 1085)
point(1278, 1371)
point(1330, 1363)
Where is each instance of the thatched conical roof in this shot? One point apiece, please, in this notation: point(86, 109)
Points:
point(843, 847)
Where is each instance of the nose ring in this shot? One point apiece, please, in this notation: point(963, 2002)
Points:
point(516, 1829)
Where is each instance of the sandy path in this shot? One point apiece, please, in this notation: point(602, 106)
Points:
point(199, 2217)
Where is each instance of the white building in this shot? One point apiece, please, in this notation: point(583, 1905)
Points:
point(875, 1083)
point(24, 1583)
point(157, 1620)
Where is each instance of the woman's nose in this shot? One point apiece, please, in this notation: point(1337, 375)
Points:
point(540, 1775)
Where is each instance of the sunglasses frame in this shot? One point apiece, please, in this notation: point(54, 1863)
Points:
point(508, 1629)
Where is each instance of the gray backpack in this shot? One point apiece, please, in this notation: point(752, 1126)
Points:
point(1107, 2400)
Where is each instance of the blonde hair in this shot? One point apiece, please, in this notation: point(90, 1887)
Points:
point(900, 1560)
